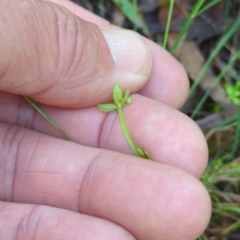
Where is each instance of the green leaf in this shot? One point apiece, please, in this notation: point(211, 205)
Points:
point(129, 100)
point(126, 98)
point(108, 107)
point(117, 95)
point(131, 12)
point(235, 101)
point(231, 209)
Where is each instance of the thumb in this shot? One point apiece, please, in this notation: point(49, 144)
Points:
point(59, 59)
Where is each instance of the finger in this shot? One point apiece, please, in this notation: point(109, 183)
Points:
point(144, 197)
point(168, 81)
point(82, 13)
point(59, 59)
point(32, 222)
point(167, 135)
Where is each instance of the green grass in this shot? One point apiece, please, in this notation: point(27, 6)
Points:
point(186, 26)
point(170, 14)
point(217, 80)
point(130, 10)
point(47, 117)
point(222, 42)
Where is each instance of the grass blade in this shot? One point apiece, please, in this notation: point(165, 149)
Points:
point(208, 6)
point(216, 81)
point(231, 228)
point(186, 26)
point(132, 14)
point(227, 122)
point(49, 119)
point(214, 53)
point(170, 13)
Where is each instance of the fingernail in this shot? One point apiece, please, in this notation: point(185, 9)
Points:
point(129, 51)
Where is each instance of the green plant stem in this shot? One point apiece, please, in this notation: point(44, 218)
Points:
point(227, 122)
point(126, 133)
point(231, 228)
point(214, 53)
point(133, 15)
point(170, 13)
point(186, 26)
point(135, 4)
point(49, 119)
point(229, 208)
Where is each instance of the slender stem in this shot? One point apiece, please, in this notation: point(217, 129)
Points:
point(135, 4)
point(215, 82)
point(231, 228)
point(222, 42)
point(208, 6)
point(186, 25)
point(227, 122)
point(126, 133)
point(49, 119)
point(170, 13)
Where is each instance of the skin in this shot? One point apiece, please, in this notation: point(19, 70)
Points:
point(91, 188)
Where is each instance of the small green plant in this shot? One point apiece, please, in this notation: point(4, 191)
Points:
point(233, 93)
point(222, 179)
point(120, 101)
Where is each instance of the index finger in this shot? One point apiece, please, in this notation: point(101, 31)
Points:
point(168, 82)
point(144, 197)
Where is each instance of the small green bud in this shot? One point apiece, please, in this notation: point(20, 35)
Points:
point(117, 95)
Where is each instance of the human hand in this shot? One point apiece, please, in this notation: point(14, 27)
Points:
point(90, 188)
